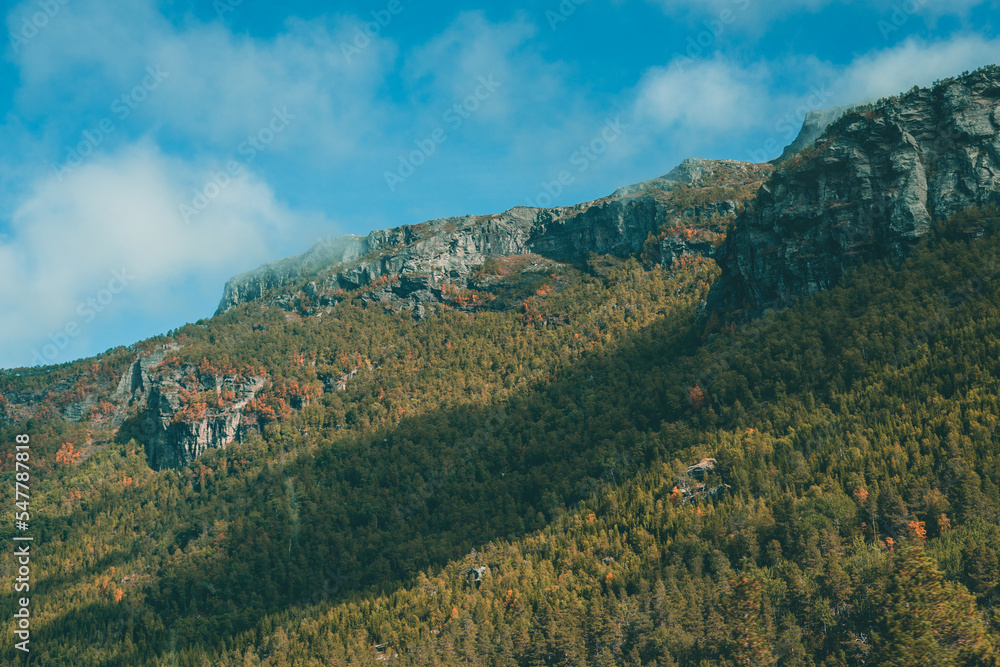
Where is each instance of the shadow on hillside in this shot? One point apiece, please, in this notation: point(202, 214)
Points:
point(366, 516)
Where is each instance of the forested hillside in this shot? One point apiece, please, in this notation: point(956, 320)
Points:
point(516, 484)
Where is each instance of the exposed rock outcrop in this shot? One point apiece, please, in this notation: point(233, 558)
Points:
point(137, 381)
point(868, 189)
point(177, 410)
point(254, 284)
point(173, 411)
point(813, 127)
point(174, 439)
point(682, 207)
point(692, 485)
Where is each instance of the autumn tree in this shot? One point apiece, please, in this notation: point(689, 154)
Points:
point(67, 454)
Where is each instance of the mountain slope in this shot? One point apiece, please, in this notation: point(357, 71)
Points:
point(179, 405)
point(843, 450)
point(557, 461)
point(868, 189)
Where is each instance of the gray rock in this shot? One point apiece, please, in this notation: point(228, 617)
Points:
point(421, 258)
point(868, 189)
point(255, 284)
point(813, 127)
point(154, 391)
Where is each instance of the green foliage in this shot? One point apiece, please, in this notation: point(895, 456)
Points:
point(546, 440)
point(928, 620)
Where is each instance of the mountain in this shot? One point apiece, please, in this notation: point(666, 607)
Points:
point(688, 211)
point(543, 437)
point(868, 189)
point(813, 127)
point(181, 409)
point(857, 184)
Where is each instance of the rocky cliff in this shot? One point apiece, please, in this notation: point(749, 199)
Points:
point(176, 410)
point(686, 211)
point(867, 189)
point(181, 411)
point(255, 284)
point(813, 127)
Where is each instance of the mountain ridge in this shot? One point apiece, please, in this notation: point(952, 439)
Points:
point(446, 250)
point(868, 189)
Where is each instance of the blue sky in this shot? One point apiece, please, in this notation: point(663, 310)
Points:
point(150, 150)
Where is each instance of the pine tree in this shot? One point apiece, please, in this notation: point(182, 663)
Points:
point(927, 620)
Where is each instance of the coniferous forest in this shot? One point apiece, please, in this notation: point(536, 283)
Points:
point(592, 471)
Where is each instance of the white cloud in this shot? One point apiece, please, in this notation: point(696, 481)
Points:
point(721, 107)
point(121, 212)
point(220, 86)
point(703, 95)
point(757, 10)
point(729, 99)
point(451, 63)
point(913, 62)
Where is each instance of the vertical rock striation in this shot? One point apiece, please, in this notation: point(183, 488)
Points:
point(175, 427)
point(868, 189)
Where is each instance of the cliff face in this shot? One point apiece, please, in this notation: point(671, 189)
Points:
point(174, 439)
point(869, 188)
point(689, 209)
point(813, 127)
point(174, 409)
point(254, 284)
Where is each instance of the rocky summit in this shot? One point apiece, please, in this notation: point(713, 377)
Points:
point(868, 188)
point(813, 127)
point(686, 211)
point(857, 184)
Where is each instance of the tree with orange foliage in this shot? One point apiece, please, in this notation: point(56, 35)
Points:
point(67, 454)
point(192, 412)
point(696, 397)
point(918, 529)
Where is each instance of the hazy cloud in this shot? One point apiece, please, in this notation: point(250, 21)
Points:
point(709, 95)
point(913, 62)
point(119, 213)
